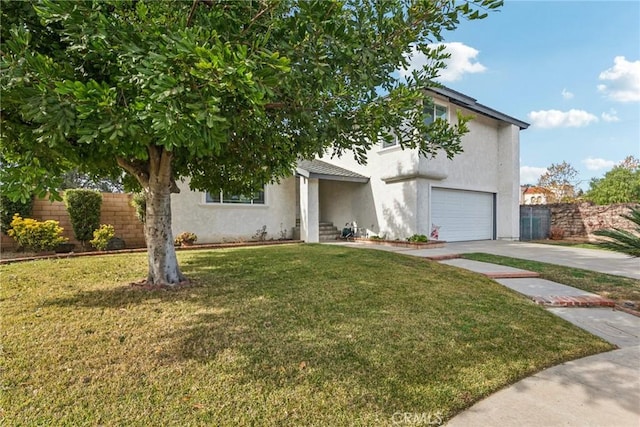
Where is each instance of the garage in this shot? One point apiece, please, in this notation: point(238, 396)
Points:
point(463, 215)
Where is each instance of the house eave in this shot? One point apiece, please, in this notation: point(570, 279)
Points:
point(325, 171)
point(471, 104)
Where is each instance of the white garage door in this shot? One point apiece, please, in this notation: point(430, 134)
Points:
point(462, 215)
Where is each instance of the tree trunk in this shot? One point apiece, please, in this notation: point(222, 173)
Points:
point(156, 179)
point(163, 263)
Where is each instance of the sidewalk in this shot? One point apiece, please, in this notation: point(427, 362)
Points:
point(600, 390)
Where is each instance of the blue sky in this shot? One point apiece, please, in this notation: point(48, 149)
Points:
point(570, 68)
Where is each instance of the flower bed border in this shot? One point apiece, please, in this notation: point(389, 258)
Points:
point(54, 255)
point(431, 244)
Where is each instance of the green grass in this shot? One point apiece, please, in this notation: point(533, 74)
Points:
point(571, 243)
point(288, 335)
point(615, 287)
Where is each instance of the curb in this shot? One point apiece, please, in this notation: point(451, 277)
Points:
point(141, 250)
point(573, 301)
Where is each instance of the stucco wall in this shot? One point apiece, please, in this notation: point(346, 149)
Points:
point(378, 207)
point(508, 195)
point(214, 223)
point(489, 163)
point(476, 168)
point(395, 202)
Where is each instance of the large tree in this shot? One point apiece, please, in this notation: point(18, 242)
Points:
point(560, 179)
point(620, 185)
point(227, 93)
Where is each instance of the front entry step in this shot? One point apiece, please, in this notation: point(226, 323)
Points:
point(328, 231)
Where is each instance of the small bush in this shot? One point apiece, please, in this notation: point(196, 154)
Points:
point(185, 238)
point(84, 211)
point(102, 236)
point(418, 238)
point(9, 208)
point(139, 203)
point(116, 244)
point(556, 233)
point(35, 235)
point(261, 234)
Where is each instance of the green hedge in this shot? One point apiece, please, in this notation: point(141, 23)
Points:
point(84, 211)
point(9, 208)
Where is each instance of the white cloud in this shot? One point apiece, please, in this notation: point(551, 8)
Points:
point(622, 80)
point(594, 164)
point(610, 117)
point(417, 60)
point(530, 174)
point(566, 94)
point(555, 118)
point(461, 61)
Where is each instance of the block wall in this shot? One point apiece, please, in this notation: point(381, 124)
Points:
point(116, 210)
point(582, 219)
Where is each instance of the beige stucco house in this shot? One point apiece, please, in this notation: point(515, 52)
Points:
point(398, 193)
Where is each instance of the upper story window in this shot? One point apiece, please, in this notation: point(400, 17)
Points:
point(392, 143)
point(435, 111)
point(255, 199)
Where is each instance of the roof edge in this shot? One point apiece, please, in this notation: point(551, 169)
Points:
point(472, 104)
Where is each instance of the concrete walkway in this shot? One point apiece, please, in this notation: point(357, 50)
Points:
point(600, 390)
point(589, 259)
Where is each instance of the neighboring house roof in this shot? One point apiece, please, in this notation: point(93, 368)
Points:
point(470, 103)
point(322, 170)
point(537, 190)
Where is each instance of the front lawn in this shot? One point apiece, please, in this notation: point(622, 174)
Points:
point(289, 335)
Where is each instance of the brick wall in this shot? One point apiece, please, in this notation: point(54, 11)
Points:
point(581, 220)
point(116, 210)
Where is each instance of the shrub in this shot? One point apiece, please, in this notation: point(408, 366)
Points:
point(36, 235)
point(9, 208)
point(556, 233)
point(418, 238)
point(84, 211)
point(139, 203)
point(102, 236)
point(261, 234)
point(116, 244)
point(185, 238)
point(621, 240)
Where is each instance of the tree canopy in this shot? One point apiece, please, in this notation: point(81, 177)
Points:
point(620, 185)
point(227, 93)
point(560, 179)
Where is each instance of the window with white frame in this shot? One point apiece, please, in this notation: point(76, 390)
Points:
point(392, 143)
point(223, 198)
point(435, 111)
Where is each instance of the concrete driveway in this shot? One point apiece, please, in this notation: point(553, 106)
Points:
point(589, 259)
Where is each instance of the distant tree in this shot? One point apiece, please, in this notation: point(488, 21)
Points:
point(560, 179)
point(630, 162)
point(77, 179)
point(624, 241)
point(620, 185)
point(228, 94)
